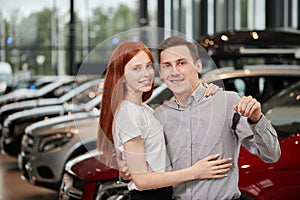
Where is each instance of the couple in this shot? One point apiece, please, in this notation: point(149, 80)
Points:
point(187, 142)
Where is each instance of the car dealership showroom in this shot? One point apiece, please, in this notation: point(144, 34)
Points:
point(54, 60)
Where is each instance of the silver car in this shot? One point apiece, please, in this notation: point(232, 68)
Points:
point(48, 145)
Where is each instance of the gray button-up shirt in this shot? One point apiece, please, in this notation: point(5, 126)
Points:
point(203, 128)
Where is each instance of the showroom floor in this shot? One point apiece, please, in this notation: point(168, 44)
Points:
point(13, 188)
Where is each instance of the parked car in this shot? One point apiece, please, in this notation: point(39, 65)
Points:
point(47, 146)
point(280, 180)
point(249, 47)
point(259, 81)
point(88, 178)
point(37, 164)
point(63, 90)
point(6, 75)
point(44, 87)
point(30, 84)
point(84, 98)
point(258, 180)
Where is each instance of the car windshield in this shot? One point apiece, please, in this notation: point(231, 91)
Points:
point(283, 110)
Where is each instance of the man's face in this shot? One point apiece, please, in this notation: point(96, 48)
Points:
point(179, 71)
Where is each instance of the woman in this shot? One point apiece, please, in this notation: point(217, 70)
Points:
point(130, 124)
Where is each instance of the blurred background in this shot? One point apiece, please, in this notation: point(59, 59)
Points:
point(255, 44)
point(53, 37)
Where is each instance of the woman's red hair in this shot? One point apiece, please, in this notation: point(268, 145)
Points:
point(114, 90)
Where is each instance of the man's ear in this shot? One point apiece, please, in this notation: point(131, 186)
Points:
point(198, 66)
point(159, 73)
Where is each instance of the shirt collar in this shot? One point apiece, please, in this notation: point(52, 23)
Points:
point(196, 96)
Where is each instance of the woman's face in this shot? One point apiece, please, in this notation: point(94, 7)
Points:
point(139, 73)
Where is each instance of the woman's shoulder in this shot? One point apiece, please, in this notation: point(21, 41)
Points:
point(128, 108)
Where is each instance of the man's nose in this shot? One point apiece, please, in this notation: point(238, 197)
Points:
point(174, 69)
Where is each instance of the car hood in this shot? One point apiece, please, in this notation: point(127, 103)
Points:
point(284, 115)
point(285, 120)
point(29, 104)
point(88, 167)
point(65, 123)
point(28, 114)
point(18, 94)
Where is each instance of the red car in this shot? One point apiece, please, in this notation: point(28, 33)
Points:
point(280, 180)
point(87, 178)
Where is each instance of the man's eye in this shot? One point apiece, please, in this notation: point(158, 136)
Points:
point(182, 63)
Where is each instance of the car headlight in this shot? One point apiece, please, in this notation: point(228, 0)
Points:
point(56, 140)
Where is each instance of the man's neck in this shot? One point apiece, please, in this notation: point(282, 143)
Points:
point(183, 99)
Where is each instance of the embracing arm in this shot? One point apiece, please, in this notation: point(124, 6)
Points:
point(207, 168)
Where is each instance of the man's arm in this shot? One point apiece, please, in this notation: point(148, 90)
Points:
point(264, 143)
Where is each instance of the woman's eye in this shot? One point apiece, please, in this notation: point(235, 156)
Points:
point(137, 68)
point(166, 66)
point(149, 66)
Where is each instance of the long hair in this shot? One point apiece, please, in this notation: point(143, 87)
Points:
point(114, 91)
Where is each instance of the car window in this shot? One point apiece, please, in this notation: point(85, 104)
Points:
point(283, 110)
point(260, 87)
point(165, 95)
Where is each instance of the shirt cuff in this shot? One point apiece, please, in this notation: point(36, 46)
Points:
point(262, 125)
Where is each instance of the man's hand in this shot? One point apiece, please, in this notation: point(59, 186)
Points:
point(211, 89)
point(249, 107)
point(123, 168)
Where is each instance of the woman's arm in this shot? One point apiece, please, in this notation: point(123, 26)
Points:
point(206, 168)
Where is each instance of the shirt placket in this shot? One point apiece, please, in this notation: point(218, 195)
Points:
point(189, 186)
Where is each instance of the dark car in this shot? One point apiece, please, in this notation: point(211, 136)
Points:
point(84, 98)
point(238, 48)
point(33, 89)
point(51, 94)
point(47, 146)
point(259, 81)
point(258, 180)
point(62, 88)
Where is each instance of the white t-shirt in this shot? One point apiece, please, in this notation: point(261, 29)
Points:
point(134, 120)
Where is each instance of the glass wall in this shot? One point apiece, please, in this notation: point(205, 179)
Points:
point(34, 35)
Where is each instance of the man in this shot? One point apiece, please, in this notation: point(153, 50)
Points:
point(195, 126)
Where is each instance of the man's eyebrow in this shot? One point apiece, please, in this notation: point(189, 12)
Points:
point(139, 64)
point(175, 60)
point(181, 59)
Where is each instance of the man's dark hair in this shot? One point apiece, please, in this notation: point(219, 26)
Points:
point(176, 41)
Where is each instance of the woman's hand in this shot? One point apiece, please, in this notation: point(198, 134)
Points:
point(211, 168)
point(123, 167)
point(211, 89)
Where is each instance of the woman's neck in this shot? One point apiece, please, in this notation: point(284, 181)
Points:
point(135, 98)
